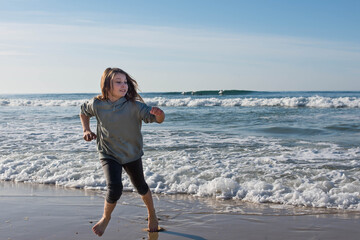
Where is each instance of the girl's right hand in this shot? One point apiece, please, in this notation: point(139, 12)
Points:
point(89, 135)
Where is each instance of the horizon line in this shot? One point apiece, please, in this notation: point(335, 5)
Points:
point(187, 91)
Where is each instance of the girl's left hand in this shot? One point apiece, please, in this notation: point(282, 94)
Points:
point(156, 111)
point(159, 114)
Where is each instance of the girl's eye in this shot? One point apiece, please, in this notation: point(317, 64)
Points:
point(121, 82)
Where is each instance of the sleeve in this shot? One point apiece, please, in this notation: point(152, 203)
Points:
point(144, 111)
point(87, 108)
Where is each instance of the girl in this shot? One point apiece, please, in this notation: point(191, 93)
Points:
point(119, 111)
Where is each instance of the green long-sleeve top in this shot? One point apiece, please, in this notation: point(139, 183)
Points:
point(119, 127)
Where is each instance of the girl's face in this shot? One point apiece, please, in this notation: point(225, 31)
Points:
point(118, 87)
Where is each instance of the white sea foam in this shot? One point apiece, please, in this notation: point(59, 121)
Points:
point(252, 168)
point(311, 102)
point(40, 102)
point(294, 176)
point(181, 156)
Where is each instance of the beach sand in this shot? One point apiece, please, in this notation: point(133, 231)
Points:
point(35, 211)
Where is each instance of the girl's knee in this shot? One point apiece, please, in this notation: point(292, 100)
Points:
point(143, 189)
point(114, 192)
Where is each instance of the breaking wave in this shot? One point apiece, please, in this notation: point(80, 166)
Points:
point(294, 102)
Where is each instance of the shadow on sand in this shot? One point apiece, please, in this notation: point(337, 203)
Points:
point(155, 235)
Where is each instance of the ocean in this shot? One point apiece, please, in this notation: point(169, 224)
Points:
point(289, 148)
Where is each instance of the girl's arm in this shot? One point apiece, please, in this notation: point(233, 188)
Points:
point(159, 114)
point(88, 134)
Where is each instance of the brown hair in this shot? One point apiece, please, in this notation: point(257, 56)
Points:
point(105, 85)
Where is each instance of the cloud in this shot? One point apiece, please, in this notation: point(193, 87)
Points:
point(12, 53)
point(160, 53)
point(185, 42)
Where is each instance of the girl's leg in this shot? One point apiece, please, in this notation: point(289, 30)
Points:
point(112, 171)
point(136, 174)
point(99, 227)
point(152, 219)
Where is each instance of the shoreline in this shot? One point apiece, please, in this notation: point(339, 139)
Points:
point(37, 211)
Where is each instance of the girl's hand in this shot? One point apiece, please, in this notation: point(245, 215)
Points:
point(89, 135)
point(156, 111)
point(159, 114)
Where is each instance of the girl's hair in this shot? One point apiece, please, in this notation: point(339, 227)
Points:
point(105, 85)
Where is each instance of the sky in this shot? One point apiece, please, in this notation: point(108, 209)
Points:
point(51, 46)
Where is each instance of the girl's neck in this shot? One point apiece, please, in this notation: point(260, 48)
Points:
point(113, 99)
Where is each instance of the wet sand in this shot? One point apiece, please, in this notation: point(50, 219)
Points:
point(34, 212)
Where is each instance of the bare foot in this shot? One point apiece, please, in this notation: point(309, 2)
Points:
point(153, 235)
point(100, 227)
point(153, 223)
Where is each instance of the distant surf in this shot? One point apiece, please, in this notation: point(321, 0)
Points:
point(218, 92)
point(229, 98)
point(309, 102)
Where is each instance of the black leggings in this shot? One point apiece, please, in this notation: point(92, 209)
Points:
point(113, 172)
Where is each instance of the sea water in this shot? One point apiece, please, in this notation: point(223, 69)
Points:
point(292, 148)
